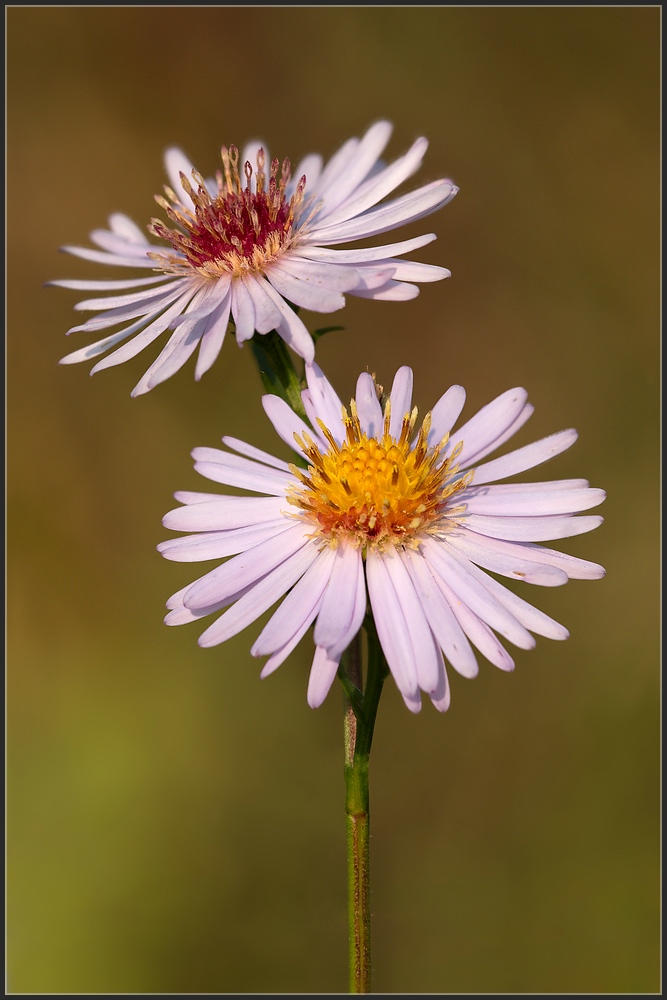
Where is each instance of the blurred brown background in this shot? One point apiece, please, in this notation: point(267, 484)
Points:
point(176, 825)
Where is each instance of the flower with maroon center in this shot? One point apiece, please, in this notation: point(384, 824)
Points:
point(385, 519)
point(252, 244)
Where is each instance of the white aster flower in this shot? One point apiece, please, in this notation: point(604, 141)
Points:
point(407, 523)
point(251, 244)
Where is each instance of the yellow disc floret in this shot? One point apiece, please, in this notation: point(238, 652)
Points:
point(377, 491)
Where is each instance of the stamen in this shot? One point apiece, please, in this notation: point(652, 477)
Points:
point(234, 230)
point(378, 491)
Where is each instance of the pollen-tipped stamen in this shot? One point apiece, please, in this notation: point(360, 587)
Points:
point(377, 491)
point(235, 230)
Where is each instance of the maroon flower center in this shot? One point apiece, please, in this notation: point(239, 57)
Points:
point(239, 230)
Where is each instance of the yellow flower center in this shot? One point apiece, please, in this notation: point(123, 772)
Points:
point(239, 230)
point(377, 491)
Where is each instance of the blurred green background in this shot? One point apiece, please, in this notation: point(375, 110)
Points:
point(174, 824)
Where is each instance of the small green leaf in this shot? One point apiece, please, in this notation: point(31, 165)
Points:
point(326, 329)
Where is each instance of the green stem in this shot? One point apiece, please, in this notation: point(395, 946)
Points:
point(277, 371)
point(279, 376)
point(359, 722)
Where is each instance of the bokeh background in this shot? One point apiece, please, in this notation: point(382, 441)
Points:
point(174, 824)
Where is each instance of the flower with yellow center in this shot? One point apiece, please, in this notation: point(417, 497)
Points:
point(382, 521)
point(250, 245)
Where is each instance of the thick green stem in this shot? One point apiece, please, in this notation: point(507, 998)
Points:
point(360, 713)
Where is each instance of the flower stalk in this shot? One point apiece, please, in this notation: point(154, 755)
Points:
point(359, 723)
point(279, 376)
point(277, 371)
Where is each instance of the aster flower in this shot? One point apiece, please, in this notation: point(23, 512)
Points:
point(250, 245)
point(408, 521)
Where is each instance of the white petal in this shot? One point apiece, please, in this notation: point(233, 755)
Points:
point(99, 347)
point(445, 413)
point(243, 311)
point(362, 255)
point(468, 589)
point(191, 496)
point(325, 400)
point(368, 406)
point(176, 163)
point(297, 611)
point(255, 477)
point(373, 278)
point(521, 489)
point(245, 569)
point(126, 306)
point(209, 296)
point(285, 421)
point(172, 357)
point(176, 600)
point(366, 155)
point(213, 336)
point(529, 503)
point(291, 328)
point(317, 434)
point(283, 652)
point(489, 423)
point(275, 471)
point(401, 399)
point(219, 544)
point(408, 208)
point(183, 342)
point(440, 616)
point(442, 697)
point(124, 226)
point(477, 631)
point(259, 598)
point(531, 529)
point(524, 415)
point(150, 304)
point(413, 270)
point(392, 628)
point(530, 617)
point(146, 337)
point(303, 293)
point(104, 286)
point(128, 259)
point(510, 559)
point(256, 453)
point(576, 569)
point(221, 513)
point(425, 654)
point(390, 291)
point(344, 604)
point(379, 185)
point(336, 277)
point(267, 316)
point(525, 458)
point(183, 616)
point(117, 244)
point(311, 166)
point(322, 674)
point(336, 165)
